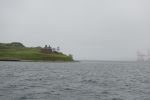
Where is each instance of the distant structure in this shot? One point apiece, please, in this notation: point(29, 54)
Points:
point(48, 49)
point(140, 56)
point(143, 57)
point(58, 48)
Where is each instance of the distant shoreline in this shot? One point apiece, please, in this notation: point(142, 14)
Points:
point(18, 60)
point(9, 60)
point(16, 51)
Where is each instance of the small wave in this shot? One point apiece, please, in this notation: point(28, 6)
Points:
point(90, 81)
point(117, 99)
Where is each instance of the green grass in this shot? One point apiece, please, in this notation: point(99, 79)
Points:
point(31, 54)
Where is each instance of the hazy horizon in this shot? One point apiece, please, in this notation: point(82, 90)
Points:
point(88, 29)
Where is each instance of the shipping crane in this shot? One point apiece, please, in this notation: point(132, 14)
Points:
point(140, 56)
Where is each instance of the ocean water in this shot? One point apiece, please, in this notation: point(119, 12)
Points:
point(75, 81)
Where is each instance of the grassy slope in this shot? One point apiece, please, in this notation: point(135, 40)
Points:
point(31, 54)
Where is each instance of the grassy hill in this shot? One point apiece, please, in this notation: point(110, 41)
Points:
point(17, 51)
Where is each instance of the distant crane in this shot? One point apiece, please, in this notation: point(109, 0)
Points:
point(148, 55)
point(140, 56)
point(143, 57)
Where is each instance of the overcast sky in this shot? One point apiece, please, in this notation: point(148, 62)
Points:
point(88, 29)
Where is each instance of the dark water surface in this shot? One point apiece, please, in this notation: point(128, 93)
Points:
point(74, 81)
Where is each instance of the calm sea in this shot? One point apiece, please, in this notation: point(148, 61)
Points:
point(75, 81)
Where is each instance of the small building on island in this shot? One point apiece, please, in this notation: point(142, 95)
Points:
point(48, 49)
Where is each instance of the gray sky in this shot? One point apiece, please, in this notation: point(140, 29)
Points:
point(88, 29)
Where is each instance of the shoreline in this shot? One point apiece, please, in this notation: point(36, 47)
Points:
point(18, 60)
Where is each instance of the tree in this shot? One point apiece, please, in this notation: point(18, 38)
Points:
point(16, 44)
point(45, 47)
point(71, 56)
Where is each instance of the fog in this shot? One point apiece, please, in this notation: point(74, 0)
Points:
point(88, 29)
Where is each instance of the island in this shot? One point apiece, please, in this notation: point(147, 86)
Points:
point(16, 51)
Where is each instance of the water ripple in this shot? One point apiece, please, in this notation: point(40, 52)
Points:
point(74, 81)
